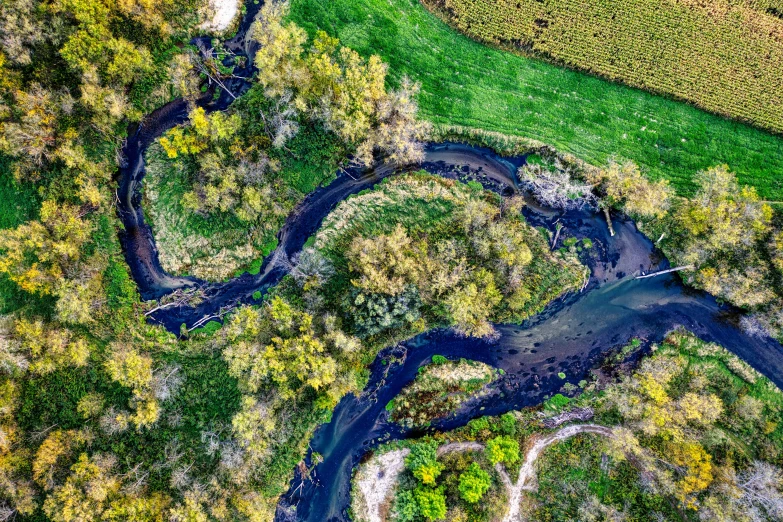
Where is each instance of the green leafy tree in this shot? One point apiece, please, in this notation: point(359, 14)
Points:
point(376, 313)
point(338, 87)
point(277, 345)
point(423, 462)
point(503, 449)
point(626, 187)
point(48, 348)
point(474, 483)
point(406, 509)
point(38, 254)
point(471, 304)
point(431, 502)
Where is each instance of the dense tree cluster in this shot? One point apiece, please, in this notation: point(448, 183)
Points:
point(46, 257)
point(473, 263)
point(336, 86)
point(623, 186)
point(690, 433)
point(458, 485)
point(229, 177)
point(315, 103)
point(562, 184)
point(727, 236)
point(721, 231)
point(68, 64)
point(680, 411)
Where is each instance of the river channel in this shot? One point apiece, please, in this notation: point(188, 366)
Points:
point(569, 336)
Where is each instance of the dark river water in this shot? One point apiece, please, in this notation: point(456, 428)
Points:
point(569, 336)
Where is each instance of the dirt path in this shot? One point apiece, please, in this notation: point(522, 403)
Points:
point(379, 476)
point(527, 473)
point(376, 482)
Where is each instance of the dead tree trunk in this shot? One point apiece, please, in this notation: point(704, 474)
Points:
point(661, 272)
point(608, 221)
point(557, 235)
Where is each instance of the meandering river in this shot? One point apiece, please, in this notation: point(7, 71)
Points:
point(567, 337)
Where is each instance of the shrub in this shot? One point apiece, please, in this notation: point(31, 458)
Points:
point(503, 449)
point(473, 483)
point(478, 425)
point(431, 502)
point(557, 401)
point(506, 424)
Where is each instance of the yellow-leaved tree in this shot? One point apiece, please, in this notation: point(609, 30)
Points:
point(339, 88)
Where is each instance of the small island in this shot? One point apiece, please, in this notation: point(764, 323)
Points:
point(440, 389)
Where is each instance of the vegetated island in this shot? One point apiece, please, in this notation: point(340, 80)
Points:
point(439, 390)
point(688, 432)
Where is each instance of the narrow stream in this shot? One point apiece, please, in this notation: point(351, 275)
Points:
point(567, 337)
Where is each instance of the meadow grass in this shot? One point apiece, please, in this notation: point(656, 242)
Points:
point(643, 43)
point(470, 84)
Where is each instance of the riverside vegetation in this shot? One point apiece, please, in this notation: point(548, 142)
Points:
point(725, 239)
point(104, 416)
point(466, 83)
point(439, 390)
point(691, 433)
point(385, 266)
point(221, 186)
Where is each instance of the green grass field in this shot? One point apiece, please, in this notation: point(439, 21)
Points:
point(642, 43)
point(467, 83)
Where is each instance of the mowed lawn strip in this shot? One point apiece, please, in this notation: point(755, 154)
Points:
point(467, 83)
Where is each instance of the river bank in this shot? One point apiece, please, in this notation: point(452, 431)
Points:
point(567, 337)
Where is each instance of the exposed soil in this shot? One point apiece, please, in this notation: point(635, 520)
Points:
point(375, 482)
point(223, 13)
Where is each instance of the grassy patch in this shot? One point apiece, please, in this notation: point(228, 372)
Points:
point(642, 43)
point(470, 84)
point(580, 465)
point(19, 202)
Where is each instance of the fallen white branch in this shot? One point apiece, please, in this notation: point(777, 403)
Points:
point(668, 271)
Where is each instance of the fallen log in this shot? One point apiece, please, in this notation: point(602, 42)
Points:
point(609, 221)
point(667, 271)
point(577, 414)
point(557, 235)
